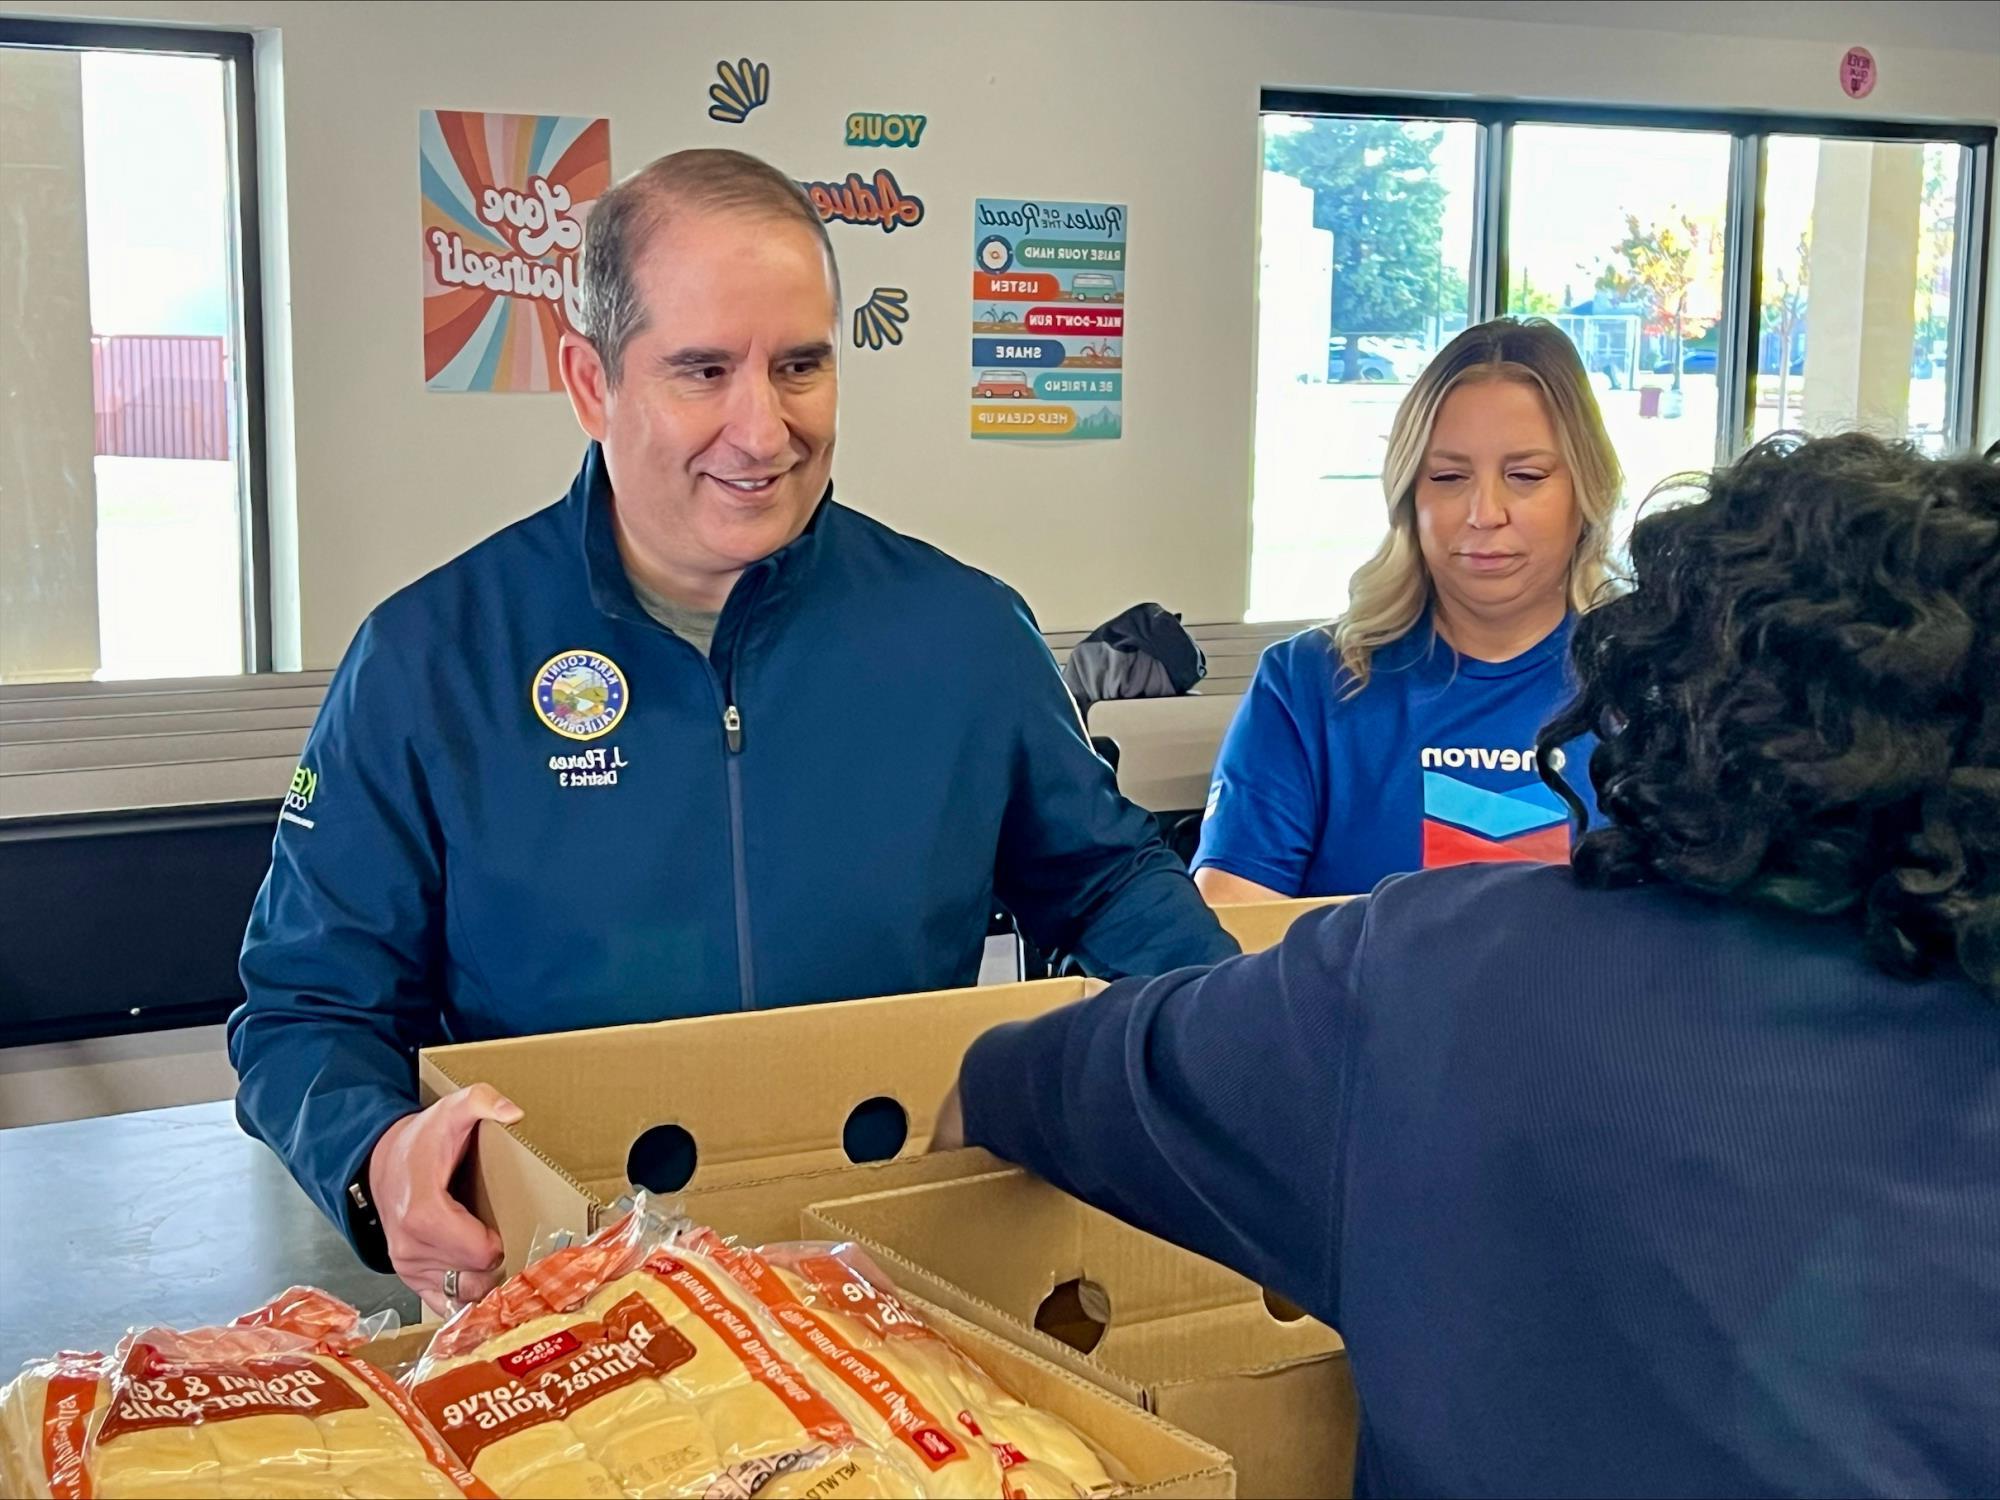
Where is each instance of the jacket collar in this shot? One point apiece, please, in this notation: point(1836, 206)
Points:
point(589, 502)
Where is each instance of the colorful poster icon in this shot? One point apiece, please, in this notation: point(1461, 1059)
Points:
point(504, 198)
point(1048, 319)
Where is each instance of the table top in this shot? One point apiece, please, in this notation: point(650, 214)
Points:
point(167, 1216)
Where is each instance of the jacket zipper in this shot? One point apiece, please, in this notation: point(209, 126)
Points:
point(732, 742)
point(732, 758)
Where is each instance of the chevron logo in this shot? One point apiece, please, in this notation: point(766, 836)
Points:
point(1466, 824)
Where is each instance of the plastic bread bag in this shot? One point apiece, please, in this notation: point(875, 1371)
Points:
point(619, 1367)
point(272, 1404)
point(920, 1391)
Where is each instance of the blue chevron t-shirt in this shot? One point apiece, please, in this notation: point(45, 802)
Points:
point(1433, 763)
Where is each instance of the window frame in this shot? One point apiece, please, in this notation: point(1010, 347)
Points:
point(1748, 131)
point(237, 51)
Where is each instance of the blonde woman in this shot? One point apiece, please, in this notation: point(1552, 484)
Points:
point(1402, 736)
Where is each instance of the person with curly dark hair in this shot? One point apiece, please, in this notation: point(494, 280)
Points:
point(1677, 1171)
point(1800, 706)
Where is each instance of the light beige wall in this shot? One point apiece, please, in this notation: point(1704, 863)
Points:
point(1153, 105)
point(48, 490)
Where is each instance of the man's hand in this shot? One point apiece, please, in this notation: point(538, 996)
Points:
point(409, 1180)
point(949, 1132)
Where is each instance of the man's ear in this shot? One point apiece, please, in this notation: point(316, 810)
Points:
point(583, 376)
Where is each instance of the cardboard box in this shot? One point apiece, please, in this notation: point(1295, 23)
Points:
point(1185, 1338)
point(750, 1110)
point(1257, 925)
point(1159, 1459)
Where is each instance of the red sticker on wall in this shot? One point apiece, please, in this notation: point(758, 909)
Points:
point(1857, 73)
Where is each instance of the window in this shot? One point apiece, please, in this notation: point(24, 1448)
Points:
point(1849, 226)
point(1617, 235)
point(132, 537)
point(1722, 276)
point(1365, 246)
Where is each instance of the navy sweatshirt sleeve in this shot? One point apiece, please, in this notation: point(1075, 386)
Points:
point(337, 963)
point(1081, 867)
point(1206, 1106)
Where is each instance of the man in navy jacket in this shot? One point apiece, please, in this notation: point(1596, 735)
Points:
point(696, 738)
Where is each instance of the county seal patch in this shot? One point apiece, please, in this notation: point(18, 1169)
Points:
point(580, 694)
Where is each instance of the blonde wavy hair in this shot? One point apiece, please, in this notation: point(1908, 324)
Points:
point(1391, 591)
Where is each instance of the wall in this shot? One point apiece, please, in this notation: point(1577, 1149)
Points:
point(48, 492)
point(1151, 105)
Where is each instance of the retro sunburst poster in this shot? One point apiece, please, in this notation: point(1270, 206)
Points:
point(504, 202)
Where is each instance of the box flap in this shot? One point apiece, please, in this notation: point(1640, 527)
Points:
point(521, 1194)
point(762, 1213)
point(1243, 1338)
point(1293, 1430)
point(1051, 1238)
point(758, 1094)
point(1257, 925)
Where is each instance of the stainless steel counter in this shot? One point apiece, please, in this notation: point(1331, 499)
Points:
point(164, 1216)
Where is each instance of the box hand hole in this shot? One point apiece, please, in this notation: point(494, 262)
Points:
point(876, 1130)
point(1076, 1313)
point(662, 1159)
point(1282, 1308)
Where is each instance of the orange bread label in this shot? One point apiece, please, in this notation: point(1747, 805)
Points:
point(912, 1423)
point(441, 1458)
point(477, 1404)
point(72, 1392)
point(176, 1395)
point(769, 1369)
point(884, 1312)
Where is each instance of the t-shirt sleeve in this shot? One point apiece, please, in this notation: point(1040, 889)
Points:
point(1266, 802)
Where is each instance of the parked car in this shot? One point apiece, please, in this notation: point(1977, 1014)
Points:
point(1375, 360)
point(1693, 362)
point(1702, 362)
point(1003, 385)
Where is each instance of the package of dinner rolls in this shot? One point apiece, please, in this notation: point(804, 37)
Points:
point(658, 1360)
point(623, 1367)
point(273, 1404)
point(915, 1389)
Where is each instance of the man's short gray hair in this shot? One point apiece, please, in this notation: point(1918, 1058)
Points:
point(623, 222)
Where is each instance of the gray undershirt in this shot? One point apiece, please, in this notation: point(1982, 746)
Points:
point(695, 626)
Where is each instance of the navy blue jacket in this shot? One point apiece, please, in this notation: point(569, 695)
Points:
point(824, 808)
point(1610, 1193)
